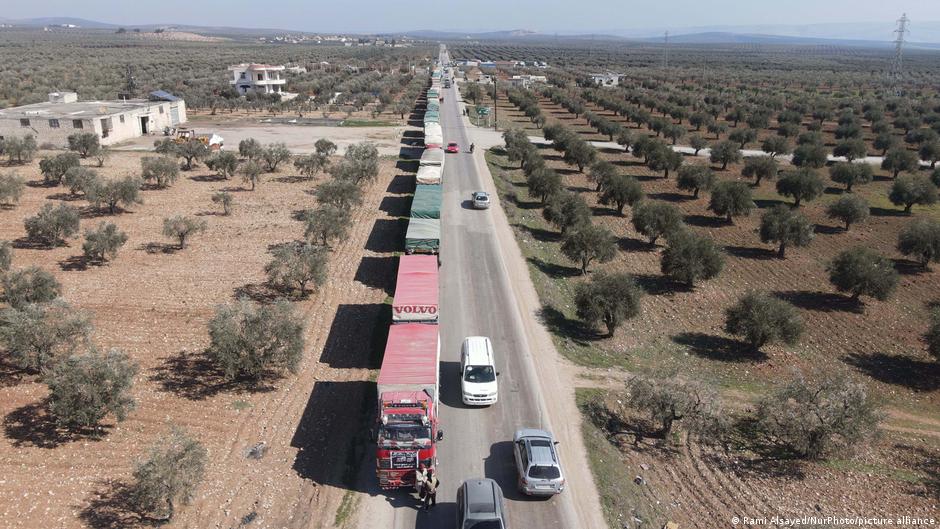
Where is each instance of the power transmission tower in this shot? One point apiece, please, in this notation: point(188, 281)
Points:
point(897, 68)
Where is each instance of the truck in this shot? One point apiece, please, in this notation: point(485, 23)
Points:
point(416, 291)
point(407, 431)
point(427, 202)
point(423, 236)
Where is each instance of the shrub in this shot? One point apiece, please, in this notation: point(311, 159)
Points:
point(250, 342)
point(53, 169)
point(169, 476)
point(224, 163)
point(731, 199)
point(851, 174)
point(6, 256)
point(163, 170)
point(182, 228)
point(39, 334)
point(11, 189)
point(816, 417)
point(296, 265)
point(343, 194)
point(566, 210)
point(311, 164)
point(85, 388)
point(913, 189)
point(689, 258)
point(759, 168)
point(761, 319)
point(621, 190)
point(52, 224)
point(103, 242)
point(28, 285)
point(110, 193)
point(274, 154)
point(849, 209)
point(801, 184)
point(360, 163)
point(920, 239)
point(655, 219)
point(671, 401)
point(327, 223)
point(695, 178)
point(587, 243)
point(785, 227)
point(250, 148)
point(79, 179)
point(225, 199)
point(610, 299)
point(862, 271)
point(84, 143)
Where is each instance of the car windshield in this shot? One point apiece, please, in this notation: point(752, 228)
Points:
point(487, 524)
point(479, 374)
point(405, 432)
point(544, 472)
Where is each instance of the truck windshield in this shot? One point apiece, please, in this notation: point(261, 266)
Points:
point(479, 374)
point(405, 432)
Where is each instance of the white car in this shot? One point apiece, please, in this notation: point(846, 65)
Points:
point(481, 200)
point(478, 372)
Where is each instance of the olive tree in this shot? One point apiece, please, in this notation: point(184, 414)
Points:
point(192, 151)
point(689, 258)
point(224, 163)
point(224, 199)
point(251, 173)
point(111, 193)
point(725, 152)
point(327, 223)
point(850, 209)
point(621, 190)
point(664, 159)
point(587, 243)
point(655, 219)
point(920, 239)
point(162, 170)
point(811, 418)
point(600, 173)
point(566, 210)
point(850, 149)
point(37, 335)
point(80, 179)
point(11, 189)
point(324, 147)
point(294, 266)
point(862, 271)
point(52, 225)
point(53, 168)
point(697, 143)
point(544, 183)
point(810, 155)
point(182, 228)
point(28, 285)
point(899, 159)
point(250, 148)
point(174, 467)
point(274, 154)
point(785, 227)
point(775, 145)
point(695, 178)
point(84, 143)
point(731, 199)
point(85, 388)
point(912, 189)
point(251, 342)
point(102, 243)
point(310, 165)
point(851, 174)
point(760, 319)
point(673, 400)
point(6, 257)
point(343, 194)
point(360, 163)
point(801, 184)
point(759, 168)
point(608, 298)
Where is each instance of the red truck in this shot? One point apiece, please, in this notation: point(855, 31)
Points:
point(407, 430)
point(416, 295)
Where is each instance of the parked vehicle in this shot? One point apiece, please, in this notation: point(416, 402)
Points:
point(480, 505)
point(478, 386)
point(406, 431)
point(423, 236)
point(416, 292)
point(481, 199)
point(452, 147)
point(537, 463)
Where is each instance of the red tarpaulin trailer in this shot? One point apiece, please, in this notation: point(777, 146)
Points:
point(416, 293)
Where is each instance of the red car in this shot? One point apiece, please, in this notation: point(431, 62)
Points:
point(452, 147)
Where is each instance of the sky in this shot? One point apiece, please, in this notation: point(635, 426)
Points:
point(548, 16)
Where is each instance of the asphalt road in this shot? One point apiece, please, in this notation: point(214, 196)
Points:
point(476, 299)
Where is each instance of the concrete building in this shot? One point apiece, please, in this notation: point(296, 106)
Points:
point(526, 80)
point(260, 79)
point(113, 121)
point(606, 79)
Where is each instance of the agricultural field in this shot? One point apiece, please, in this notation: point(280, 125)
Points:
point(637, 206)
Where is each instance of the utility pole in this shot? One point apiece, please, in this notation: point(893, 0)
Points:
point(495, 107)
point(897, 68)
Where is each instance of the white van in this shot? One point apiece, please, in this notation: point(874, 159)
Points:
point(478, 372)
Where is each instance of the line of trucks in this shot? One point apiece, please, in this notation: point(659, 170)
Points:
point(407, 429)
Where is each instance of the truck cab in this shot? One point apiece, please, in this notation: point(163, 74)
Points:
point(406, 437)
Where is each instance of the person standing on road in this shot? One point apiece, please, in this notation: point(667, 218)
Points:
point(421, 478)
point(430, 490)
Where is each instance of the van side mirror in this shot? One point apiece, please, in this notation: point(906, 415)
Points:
point(440, 435)
point(497, 373)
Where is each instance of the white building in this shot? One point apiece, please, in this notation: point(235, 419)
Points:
point(525, 81)
point(606, 79)
point(260, 79)
point(113, 121)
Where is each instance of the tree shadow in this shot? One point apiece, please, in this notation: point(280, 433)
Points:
point(885, 212)
point(924, 461)
point(560, 325)
point(764, 203)
point(357, 336)
point(601, 211)
point(194, 376)
point(898, 370)
point(908, 267)
point(65, 197)
point(831, 190)
point(10, 373)
point(821, 301)
point(706, 221)
point(554, 270)
point(746, 252)
point(671, 197)
point(294, 179)
point(32, 425)
point(159, 247)
point(110, 507)
point(263, 293)
point(208, 178)
point(659, 285)
point(41, 184)
point(631, 244)
point(378, 272)
point(828, 230)
point(718, 347)
point(540, 234)
point(25, 243)
point(77, 263)
point(387, 236)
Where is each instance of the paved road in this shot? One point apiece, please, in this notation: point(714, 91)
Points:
point(476, 299)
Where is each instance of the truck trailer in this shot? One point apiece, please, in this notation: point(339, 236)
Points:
point(407, 430)
point(416, 290)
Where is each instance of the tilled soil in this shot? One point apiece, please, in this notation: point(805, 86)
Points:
point(154, 301)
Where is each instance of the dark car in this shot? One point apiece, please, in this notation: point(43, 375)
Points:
point(480, 505)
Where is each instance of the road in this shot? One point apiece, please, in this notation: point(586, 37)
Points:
point(478, 293)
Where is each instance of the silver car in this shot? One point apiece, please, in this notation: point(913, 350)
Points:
point(480, 505)
point(481, 200)
point(537, 463)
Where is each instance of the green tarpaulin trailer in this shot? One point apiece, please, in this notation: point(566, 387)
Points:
point(423, 236)
point(427, 202)
point(434, 107)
